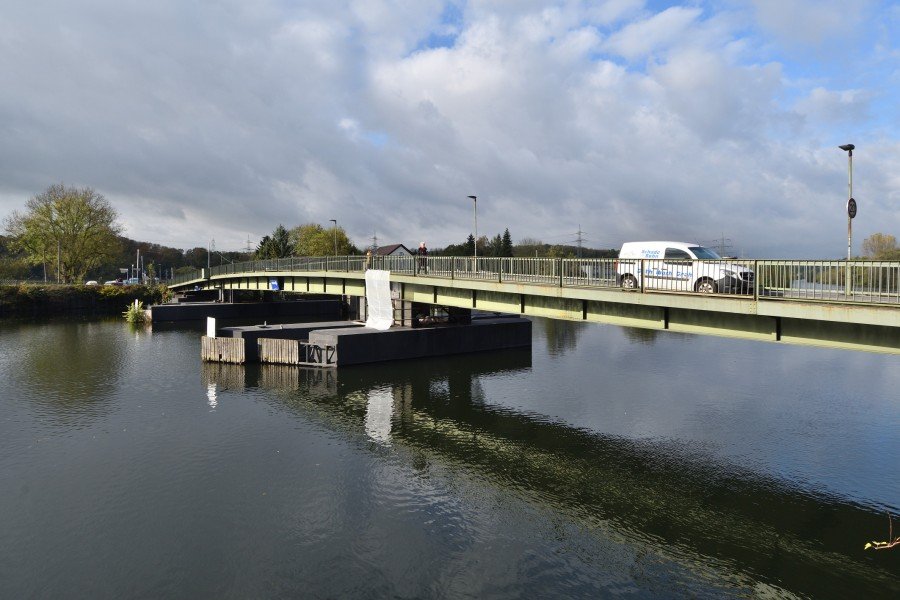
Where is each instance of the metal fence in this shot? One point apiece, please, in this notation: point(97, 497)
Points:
point(854, 281)
point(833, 281)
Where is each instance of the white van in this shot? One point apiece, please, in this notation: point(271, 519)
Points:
point(680, 267)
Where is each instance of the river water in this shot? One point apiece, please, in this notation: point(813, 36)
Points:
point(603, 461)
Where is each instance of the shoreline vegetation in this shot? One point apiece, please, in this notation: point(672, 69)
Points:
point(39, 299)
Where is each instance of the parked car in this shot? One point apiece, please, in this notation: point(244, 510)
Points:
point(113, 282)
point(133, 281)
point(680, 266)
point(91, 282)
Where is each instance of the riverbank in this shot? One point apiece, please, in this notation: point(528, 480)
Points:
point(39, 300)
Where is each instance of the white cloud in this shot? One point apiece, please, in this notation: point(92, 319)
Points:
point(224, 119)
point(833, 106)
point(658, 31)
point(717, 99)
point(812, 22)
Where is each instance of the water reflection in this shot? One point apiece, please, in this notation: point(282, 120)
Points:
point(666, 498)
point(562, 336)
point(231, 377)
point(211, 396)
point(55, 365)
point(223, 376)
point(641, 336)
point(379, 412)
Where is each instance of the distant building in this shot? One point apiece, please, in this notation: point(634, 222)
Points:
point(393, 250)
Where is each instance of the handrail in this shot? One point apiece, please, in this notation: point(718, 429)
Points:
point(870, 281)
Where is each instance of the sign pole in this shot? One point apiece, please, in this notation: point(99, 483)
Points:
point(851, 212)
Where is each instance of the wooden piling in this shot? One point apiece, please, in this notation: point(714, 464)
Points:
point(222, 349)
point(279, 351)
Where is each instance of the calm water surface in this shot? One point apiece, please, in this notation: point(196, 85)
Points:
point(604, 461)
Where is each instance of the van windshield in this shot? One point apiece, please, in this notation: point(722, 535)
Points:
point(704, 253)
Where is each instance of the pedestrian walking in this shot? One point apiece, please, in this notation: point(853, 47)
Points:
point(423, 258)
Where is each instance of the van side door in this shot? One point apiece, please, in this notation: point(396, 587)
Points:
point(679, 269)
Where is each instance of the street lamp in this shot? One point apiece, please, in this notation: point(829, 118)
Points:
point(475, 204)
point(851, 209)
point(335, 234)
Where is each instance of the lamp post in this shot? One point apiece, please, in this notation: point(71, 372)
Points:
point(851, 210)
point(334, 235)
point(475, 204)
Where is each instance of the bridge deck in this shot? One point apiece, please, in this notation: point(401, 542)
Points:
point(806, 302)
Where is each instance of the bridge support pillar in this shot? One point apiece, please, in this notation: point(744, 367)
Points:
point(353, 307)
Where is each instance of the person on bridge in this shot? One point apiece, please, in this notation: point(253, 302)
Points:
point(423, 258)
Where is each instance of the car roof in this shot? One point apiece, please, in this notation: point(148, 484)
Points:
point(661, 243)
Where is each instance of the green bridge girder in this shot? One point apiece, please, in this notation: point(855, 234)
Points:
point(867, 327)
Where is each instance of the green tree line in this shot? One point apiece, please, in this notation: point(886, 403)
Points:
point(503, 246)
point(71, 234)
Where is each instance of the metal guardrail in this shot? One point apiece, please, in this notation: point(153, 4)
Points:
point(856, 282)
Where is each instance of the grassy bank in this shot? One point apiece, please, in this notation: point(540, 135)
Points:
point(37, 300)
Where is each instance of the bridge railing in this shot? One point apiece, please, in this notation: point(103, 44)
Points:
point(854, 281)
point(185, 277)
point(820, 280)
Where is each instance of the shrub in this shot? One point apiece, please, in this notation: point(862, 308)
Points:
point(134, 312)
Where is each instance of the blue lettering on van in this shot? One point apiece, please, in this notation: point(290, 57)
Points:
point(651, 272)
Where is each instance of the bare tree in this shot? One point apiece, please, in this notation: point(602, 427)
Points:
point(68, 229)
point(879, 245)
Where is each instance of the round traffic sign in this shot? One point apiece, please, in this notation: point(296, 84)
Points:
point(851, 208)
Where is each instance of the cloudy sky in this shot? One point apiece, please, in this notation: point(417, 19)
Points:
point(628, 119)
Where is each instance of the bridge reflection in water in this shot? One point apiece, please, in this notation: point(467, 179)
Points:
point(725, 524)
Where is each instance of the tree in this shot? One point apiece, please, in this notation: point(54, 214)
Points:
point(530, 247)
point(558, 251)
point(13, 265)
point(470, 245)
point(278, 245)
point(879, 246)
point(495, 247)
point(506, 248)
point(312, 239)
point(70, 230)
point(483, 245)
point(196, 257)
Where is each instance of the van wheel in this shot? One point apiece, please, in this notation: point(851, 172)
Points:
point(706, 286)
point(629, 282)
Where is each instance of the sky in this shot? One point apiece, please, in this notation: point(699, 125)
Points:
point(622, 119)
